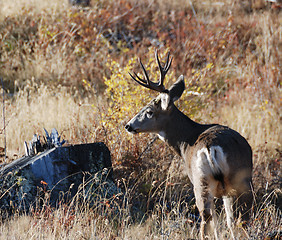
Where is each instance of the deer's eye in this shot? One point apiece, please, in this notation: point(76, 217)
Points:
point(149, 113)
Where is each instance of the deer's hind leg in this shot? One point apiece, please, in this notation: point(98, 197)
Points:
point(205, 205)
point(244, 202)
point(228, 202)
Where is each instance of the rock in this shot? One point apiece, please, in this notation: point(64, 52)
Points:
point(83, 3)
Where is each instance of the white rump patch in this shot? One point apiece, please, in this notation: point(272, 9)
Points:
point(213, 161)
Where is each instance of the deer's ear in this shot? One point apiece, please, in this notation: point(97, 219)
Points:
point(176, 90)
point(173, 93)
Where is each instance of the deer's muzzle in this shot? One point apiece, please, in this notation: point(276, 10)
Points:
point(130, 129)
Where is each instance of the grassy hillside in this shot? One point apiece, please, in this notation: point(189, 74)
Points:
point(67, 67)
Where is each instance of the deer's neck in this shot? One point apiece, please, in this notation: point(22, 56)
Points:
point(181, 131)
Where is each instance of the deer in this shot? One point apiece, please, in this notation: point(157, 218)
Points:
point(218, 159)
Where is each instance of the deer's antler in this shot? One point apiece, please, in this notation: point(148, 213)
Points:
point(159, 86)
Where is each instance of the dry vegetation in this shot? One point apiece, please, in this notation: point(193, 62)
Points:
point(67, 68)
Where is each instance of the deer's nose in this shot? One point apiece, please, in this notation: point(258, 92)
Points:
point(128, 128)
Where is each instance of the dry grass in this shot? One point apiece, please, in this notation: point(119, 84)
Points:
point(80, 221)
point(53, 60)
point(37, 107)
point(17, 7)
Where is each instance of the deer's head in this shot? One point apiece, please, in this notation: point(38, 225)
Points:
point(154, 116)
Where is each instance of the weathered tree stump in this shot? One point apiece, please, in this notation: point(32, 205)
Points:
point(58, 172)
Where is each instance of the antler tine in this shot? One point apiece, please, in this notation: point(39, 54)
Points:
point(159, 86)
point(142, 82)
point(168, 62)
point(163, 70)
point(145, 73)
point(139, 81)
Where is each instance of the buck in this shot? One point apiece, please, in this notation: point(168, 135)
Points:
point(218, 159)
